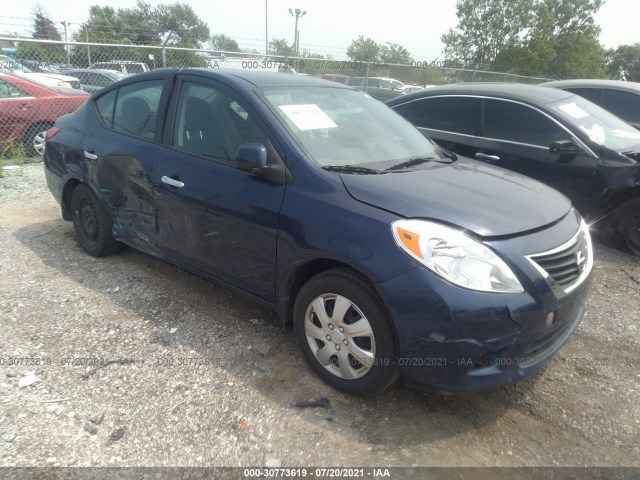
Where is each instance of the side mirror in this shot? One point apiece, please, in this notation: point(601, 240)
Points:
point(252, 158)
point(564, 147)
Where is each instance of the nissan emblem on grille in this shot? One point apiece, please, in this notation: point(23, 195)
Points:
point(581, 260)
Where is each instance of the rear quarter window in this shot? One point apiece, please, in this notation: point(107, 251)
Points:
point(449, 114)
point(105, 105)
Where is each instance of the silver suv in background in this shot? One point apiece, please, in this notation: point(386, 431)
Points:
point(123, 66)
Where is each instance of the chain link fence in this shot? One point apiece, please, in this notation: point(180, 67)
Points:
point(66, 73)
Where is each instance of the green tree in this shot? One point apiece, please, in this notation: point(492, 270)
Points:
point(485, 28)
point(364, 50)
point(624, 62)
point(174, 25)
point(278, 47)
point(554, 38)
point(44, 29)
point(43, 26)
point(394, 53)
point(569, 29)
point(179, 25)
point(224, 43)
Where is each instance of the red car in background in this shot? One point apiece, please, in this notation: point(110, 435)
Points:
point(28, 109)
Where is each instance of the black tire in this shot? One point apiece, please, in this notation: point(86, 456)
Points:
point(622, 228)
point(92, 223)
point(34, 139)
point(342, 288)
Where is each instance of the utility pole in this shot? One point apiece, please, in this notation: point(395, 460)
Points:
point(65, 24)
point(296, 36)
point(86, 31)
point(266, 28)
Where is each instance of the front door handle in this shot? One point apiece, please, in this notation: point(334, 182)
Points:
point(90, 155)
point(490, 158)
point(172, 182)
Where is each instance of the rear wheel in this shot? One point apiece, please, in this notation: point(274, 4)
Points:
point(623, 226)
point(345, 333)
point(34, 139)
point(92, 223)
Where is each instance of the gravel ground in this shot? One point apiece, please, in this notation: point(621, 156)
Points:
point(190, 374)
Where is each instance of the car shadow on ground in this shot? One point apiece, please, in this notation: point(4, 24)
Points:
point(220, 326)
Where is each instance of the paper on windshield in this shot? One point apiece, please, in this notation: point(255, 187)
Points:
point(307, 117)
point(632, 134)
point(574, 110)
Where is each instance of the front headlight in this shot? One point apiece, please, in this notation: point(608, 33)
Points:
point(455, 256)
point(63, 84)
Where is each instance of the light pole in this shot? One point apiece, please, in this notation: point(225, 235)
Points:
point(296, 38)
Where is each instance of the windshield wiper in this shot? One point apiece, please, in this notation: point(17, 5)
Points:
point(412, 162)
point(352, 169)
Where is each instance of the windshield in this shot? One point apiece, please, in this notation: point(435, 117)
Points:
point(598, 124)
point(11, 64)
point(340, 127)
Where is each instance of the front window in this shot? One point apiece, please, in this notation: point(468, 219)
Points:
point(340, 127)
point(597, 124)
point(8, 90)
point(518, 123)
point(134, 68)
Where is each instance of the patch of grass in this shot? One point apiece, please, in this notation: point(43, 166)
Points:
point(12, 153)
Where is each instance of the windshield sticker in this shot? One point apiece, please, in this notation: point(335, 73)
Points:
point(574, 110)
point(308, 117)
point(595, 132)
point(625, 134)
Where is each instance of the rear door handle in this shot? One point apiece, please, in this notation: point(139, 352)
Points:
point(90, 155)
point(172, 182)
point(484, 156)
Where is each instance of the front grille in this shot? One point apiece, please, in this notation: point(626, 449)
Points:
point(566, 266)
point(562, 267)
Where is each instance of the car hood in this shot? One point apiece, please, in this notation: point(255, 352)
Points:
point(50, 77)
point(484, 199)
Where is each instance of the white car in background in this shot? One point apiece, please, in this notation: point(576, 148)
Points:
point(52, 80)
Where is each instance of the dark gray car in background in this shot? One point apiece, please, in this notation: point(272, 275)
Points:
point(557, 137)
point(620, 98)
point(93, 80)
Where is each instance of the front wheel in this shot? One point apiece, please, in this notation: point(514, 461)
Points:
point(623, 226)
point(92, 223)
point(345, 333)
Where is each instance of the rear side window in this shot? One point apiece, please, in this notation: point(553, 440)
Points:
point(449, 114)
point(626, 105)
point(105, 105)
point(137, 108)
point(592, 94)
point(134, 68)
point(96, 79)
point(519, 123)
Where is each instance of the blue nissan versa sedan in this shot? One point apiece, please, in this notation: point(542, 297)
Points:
point(388, 256)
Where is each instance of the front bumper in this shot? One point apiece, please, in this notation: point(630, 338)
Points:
point(454, 340)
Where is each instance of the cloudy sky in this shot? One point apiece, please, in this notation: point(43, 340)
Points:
point(329, 25)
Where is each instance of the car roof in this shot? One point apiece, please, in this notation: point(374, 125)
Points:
point(595, 83)
point(93, 70)
point(245, 77)
point(511, 91)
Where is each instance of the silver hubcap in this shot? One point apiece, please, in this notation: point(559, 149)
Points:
point(340, 336)
point(38, 142)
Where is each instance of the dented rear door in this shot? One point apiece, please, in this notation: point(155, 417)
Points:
point(120, 155)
